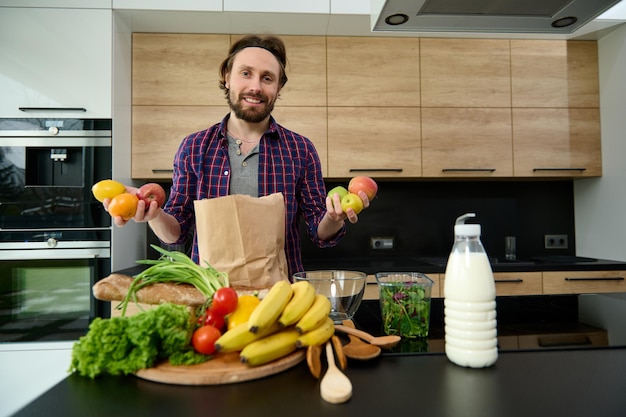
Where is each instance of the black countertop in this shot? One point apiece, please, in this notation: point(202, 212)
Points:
point(554, 383)
point(373, 264)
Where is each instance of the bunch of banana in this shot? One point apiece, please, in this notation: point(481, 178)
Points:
point(289, 317)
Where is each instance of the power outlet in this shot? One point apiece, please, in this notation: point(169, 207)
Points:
point(382, 242)
point(555, 241)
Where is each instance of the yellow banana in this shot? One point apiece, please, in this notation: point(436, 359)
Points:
point(270, 307)
point(239, 337)
point(315, 315)
point(270, 348)
point(302, 300)
point(317, 336)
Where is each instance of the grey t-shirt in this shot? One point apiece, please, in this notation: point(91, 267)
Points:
point(244, 169)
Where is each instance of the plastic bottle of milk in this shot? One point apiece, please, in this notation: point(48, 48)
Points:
point(470, 300)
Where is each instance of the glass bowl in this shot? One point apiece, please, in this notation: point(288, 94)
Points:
point(344, 289)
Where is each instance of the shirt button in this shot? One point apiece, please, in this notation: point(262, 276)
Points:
point(226, 172)
point(238, 152)
point(245, 164)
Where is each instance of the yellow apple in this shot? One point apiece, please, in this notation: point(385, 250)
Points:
point(352, 201)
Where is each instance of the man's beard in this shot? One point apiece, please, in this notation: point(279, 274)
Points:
point(250, 115)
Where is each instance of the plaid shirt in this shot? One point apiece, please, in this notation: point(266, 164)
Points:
point(288, 163)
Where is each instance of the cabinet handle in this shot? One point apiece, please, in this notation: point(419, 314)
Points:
point(27, 109)
point(595, 279)
point(162, 171)
point(468, 170)
point(513, 280)
point(376, 169)
point(559, 169)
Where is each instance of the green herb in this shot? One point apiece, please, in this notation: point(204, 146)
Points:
point(405, 309)
point(123, 345)
point(175, 267)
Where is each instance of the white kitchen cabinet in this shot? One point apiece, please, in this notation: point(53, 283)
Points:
point(178, 5)
point(79, 4)
point(277, 6)
point(55, 58)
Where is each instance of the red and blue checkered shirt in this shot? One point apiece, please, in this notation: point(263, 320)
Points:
point(288, 164)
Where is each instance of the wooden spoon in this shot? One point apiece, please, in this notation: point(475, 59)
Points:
point(382, 341)
point(358, 349)
point(341, 356)
point(313, 359)
point(335, 386)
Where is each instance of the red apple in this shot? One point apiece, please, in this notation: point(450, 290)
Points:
point(151, 192)
point(352, 201)
point(365, 184)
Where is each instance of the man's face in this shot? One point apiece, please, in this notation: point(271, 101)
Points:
point(253, 84)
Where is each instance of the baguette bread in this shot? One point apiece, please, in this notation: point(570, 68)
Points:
point(115, 287)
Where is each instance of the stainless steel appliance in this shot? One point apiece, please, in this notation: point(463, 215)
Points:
point(55, 238)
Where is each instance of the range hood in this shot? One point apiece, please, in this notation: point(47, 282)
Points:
point(486, 16)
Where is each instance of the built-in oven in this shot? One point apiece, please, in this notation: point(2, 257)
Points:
point(46, 278)
point(55, 237)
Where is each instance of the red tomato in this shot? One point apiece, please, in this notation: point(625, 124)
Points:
point(203, 339)
point(210, 317)
point(224, 301)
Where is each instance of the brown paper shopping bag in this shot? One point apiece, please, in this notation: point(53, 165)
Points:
point(245, 237)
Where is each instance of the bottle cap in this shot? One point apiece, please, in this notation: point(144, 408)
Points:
point(462, 229)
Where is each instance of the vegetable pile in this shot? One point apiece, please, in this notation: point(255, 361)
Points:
point(178, 268)
point(123, 345)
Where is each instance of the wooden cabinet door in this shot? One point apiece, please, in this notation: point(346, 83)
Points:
point(466, 142)
point(157, 132)
point(557, 74)
point(557, 142)
point(465, 72)
point(582, 282)
point(177, 69)
point(306, 72)
point(374, 141)
point(518, 283)
point(372, 71)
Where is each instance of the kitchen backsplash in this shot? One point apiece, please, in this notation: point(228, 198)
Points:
point(420, 217)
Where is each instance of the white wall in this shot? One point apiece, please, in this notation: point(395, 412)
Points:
point(129, 242)
point(600, 204)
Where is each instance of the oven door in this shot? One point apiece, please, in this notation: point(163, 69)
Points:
point(45, 290)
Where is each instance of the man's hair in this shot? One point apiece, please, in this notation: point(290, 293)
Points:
point(270, 43)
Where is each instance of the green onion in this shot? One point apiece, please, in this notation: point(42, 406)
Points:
point(175, 267)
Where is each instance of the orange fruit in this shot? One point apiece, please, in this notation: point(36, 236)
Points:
point(123, 205)
point(107, 189)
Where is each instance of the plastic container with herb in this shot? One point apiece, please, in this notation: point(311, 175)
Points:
point(405, 303)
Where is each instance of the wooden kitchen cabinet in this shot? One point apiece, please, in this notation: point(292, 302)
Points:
point(557, 142)
point(466, 142)
point(177, 69)
point(374, 141)
point(465, 72)
point(306, 72)
point(554, 74)
point(157, 132)
point(518, 283)
point(373, 71)
point(512, 283)
point(583, 282)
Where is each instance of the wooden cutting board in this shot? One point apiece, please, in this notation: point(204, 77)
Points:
point(224, 368)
